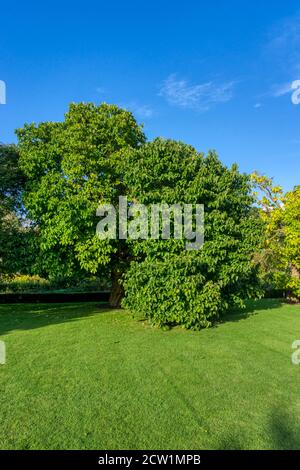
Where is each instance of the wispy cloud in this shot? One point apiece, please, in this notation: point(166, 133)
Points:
point(284, 42)
point(257, 105)
point(100, 90)
point(202, 96)
point(282, 89)
point(286, 32)
point(140, 111)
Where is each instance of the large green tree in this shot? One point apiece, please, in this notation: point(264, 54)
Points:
point(71, 168)
point(99, 153)
point(166, 282)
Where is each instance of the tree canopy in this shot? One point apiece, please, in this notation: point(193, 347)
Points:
point(99, 153)
point(280, 257)
point(71, 168)
point(166, 282)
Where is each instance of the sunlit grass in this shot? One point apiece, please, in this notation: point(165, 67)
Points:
point(78, 377)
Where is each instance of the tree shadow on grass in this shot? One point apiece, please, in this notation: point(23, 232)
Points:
point(284, 430)
point(31, 316)
point(252, 308)
point(233, 441)
point(281, 433)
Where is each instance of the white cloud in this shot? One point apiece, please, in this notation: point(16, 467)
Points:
point(284, 43)
point(257, 105)
point(282, 89)
point(100, 90)
point(141, 111)
point(286, 33)
point(201, 96)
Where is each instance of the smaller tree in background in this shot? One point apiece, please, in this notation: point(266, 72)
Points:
point(291, 220)
point(15, 236)
point(280, 258)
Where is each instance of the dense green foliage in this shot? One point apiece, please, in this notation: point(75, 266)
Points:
point(78, 377)
point(15, 236)
point(279, 259)
point(70, 170)
point(60, 173)
point(291, 222)
point(166, 282)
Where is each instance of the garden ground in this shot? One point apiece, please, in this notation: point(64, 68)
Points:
point(78, 377)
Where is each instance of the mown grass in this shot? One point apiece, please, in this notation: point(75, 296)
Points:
point(78, 377)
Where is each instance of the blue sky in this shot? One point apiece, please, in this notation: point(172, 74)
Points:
point(213, 74)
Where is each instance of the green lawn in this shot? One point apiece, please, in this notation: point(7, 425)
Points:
point(78, 377)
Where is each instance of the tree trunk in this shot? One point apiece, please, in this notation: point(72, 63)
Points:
point(117, 291)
